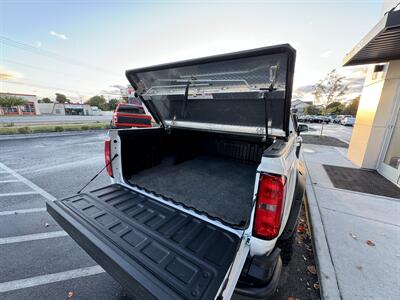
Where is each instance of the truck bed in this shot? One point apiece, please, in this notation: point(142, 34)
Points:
point(220, 187)
point(154, 250)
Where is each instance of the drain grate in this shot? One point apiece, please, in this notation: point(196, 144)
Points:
point(364, 181)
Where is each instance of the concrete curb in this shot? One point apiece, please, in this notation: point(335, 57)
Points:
point(46, 134)
point(326, 272)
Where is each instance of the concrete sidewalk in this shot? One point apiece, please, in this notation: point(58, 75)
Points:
point(342, 223)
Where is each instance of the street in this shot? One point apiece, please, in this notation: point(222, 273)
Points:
point(38, 259)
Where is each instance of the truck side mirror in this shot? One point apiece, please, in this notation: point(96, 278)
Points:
point(302, 128)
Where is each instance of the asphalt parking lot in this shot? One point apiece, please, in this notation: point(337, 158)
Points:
point(334, 130)
point(38, 259)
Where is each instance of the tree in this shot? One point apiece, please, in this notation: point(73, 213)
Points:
point(98, 101)
point(112, 104)
point(335, 108)
point(60, 98)
point(312, 110)
point(45, 100)
point(330, 89)
point(8, 101)
point(352, 107)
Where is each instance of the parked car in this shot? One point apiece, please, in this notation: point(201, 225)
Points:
point(302, 119)
point(339, 118)
point(128, 115)
point(207, 202)
point(348, 121)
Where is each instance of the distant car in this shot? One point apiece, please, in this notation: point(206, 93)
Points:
point(302, 119)
point(129, 115)
point(340, 118)
point(337, 120)
point(348, 121)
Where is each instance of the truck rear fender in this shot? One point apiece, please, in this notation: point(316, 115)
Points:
point(280, 159)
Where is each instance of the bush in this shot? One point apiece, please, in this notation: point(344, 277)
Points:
point(24, 130)
point(58, 128)
point(8, 130)
point(41, 129)
point(11, 124)
point(85, 127)
point(71, 128)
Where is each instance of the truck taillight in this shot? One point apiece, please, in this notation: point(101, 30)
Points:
point(107, 156)
point(269, 206)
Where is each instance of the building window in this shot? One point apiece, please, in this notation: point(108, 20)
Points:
point(28, 107)
point(392, 157)
point(10, 109)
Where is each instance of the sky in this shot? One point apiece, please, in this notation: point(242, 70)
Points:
point(82, 48)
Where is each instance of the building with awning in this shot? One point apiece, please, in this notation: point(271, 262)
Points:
point(375, 143)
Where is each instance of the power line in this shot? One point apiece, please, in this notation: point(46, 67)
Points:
point(45, 70)
point(38, 85)
point(52, 55)
point(36, 68)
point(48, 87)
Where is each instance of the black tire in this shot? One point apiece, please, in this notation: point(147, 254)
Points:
point(286, 247)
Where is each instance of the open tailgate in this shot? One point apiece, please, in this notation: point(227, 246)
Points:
point(152, 249)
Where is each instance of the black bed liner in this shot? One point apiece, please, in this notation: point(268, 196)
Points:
point(209, 184)
point(152, 249)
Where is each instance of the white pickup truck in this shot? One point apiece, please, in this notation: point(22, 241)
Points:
point(204, 204)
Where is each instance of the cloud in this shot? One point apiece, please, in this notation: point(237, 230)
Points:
point(9, 75)
point(58, 35)
point(38, 44)
point(326, 54)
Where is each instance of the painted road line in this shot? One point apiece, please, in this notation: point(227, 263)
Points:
point(18, 194)
point(22, 211)
point(28, 183)
point(49, 278)
point(32, 237)
point(9, 181)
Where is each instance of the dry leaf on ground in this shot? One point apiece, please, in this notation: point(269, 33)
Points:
point(70, 294)
point(370, 243)
point(316, 286)
point(312, 269)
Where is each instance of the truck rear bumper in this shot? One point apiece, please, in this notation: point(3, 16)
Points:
point(268, 272)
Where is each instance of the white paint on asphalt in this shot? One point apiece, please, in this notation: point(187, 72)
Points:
point(28, 183)
point(32, 237)
point(9, 181)
point(22, 211)
point(49, 278)
point(67, 165)
point(18, 194)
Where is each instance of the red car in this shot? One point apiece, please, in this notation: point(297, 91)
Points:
point(129, 115)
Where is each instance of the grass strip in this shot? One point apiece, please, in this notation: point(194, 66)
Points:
point(53, 128)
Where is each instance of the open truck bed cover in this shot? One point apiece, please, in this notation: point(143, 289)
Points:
point(154, 250)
